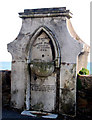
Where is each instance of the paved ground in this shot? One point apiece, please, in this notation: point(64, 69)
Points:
point(12, 115)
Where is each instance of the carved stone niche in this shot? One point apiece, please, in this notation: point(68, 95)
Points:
point(44, 60)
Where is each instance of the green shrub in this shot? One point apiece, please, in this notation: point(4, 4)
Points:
point(84, 71)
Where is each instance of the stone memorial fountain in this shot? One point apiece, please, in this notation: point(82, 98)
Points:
point(45, 62)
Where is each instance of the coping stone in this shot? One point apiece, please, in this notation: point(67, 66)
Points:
point(45, 12)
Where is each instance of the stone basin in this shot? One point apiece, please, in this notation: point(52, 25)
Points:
point(42, 68)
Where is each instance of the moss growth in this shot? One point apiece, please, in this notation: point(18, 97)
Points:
point(42, 68)
point(38, 106)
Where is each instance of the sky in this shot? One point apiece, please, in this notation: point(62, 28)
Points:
point(10, 23)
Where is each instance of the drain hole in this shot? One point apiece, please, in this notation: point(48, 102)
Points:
point(43, 55)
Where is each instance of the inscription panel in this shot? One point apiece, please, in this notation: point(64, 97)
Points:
point(41, 48)
point(43, 88)
point(43, 93)
point(42, 44)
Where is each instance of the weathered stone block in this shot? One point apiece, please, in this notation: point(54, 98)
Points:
point(67, 88)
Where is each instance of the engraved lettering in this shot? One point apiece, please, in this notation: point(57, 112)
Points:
point(42, 43)
point(37, 44)
point(44, 88)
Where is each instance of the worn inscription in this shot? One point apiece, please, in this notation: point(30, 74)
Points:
point(42, 43)
point(44, 88)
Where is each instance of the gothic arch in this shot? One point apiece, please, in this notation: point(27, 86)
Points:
point(52, 38)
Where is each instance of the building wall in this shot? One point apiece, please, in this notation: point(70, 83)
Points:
point(82, 60)
point(83, 56)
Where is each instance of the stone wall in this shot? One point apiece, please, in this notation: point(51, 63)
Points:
point(84, 94)
point(6, 87)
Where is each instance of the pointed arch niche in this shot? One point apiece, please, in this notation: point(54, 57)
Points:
point(50, 39)
point(43, 46)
